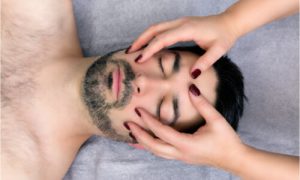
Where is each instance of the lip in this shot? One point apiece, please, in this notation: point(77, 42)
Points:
point(117, 79)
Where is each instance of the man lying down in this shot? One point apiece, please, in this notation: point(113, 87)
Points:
point(100, 94)
point(54, 99)
point(114, 86)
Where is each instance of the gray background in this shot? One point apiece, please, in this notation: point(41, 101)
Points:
point(268, 58)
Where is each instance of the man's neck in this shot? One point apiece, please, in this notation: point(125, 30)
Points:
point(64, 123)
point(70, 90)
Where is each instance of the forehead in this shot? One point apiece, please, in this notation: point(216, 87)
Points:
point(206, 83)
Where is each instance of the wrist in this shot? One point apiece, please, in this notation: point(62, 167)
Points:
point(231, 24)
point(234, 161)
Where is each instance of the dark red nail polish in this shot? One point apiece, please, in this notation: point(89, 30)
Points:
point(132, 137)
point(127, 50)
point(194, 90)
point(137, 112)
point(126, 126)
point(196, 73)
point(138, 58)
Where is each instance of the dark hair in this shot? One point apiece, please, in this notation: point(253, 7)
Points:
point(230, 88)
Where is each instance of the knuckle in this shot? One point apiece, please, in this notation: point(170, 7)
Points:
point(160, 37)
point(158, 41)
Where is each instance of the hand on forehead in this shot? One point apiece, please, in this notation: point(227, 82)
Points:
point(163, 83)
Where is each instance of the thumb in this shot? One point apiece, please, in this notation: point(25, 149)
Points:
point(205, 109)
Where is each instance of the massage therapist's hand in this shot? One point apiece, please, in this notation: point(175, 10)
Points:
point(212, 33)
point(215, 144)
point(212, 144)
point(216, 34)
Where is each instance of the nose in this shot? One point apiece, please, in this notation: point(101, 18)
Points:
point(144, 84)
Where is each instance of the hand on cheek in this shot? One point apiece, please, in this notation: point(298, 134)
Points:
point(211, 144)
point(154, 145)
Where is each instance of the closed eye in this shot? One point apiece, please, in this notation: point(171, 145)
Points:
point(176, 64)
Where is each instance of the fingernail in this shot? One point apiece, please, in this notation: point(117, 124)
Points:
point(137, 112)
point(196, 73)
point(126, 126)
point(132, 137)
point(127, 50)
point(138, 58)
point(194, 90)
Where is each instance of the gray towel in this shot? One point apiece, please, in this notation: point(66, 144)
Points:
point(268, 58)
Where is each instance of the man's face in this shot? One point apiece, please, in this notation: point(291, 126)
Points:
point(115, 85)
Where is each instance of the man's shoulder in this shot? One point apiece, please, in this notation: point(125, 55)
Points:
point(19, 148)
point(34, 34)
point(34, 31)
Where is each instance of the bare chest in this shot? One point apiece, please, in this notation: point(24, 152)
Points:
point(33, 36)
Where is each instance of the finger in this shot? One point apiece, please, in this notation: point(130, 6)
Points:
point(208, 58)
point(156, 146)
point(206, 110)
point(164, 132)
point(152, 31)
point(165, 39)
point(137, 146)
